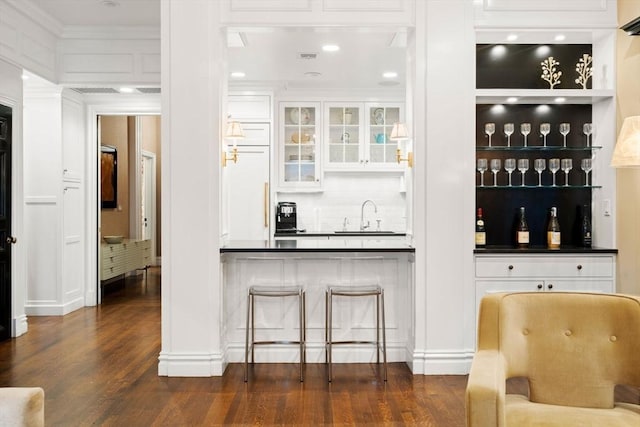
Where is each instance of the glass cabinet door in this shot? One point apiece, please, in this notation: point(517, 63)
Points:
point(343, 135)
point(299, 142)
point(381, 120)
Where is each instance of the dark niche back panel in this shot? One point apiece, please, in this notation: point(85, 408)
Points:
point(517, 66)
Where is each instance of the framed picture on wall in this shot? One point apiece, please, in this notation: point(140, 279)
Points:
point(108, 176)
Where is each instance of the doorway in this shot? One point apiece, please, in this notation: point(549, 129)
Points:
point(6, 240)
point(135, 211)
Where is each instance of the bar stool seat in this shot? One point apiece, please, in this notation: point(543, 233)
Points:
point(356, 291)
point(274, 292)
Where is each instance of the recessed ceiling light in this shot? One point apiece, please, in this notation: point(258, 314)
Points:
point(331, 48)
point(126, 90)
point(560, 99)
point(560, 37)
point(512, 99)
point(390, 75)
point(512, 37)
point(238, 74)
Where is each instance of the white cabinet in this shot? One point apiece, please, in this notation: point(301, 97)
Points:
point(356, 135)
point(248, 193)
point(298, 153)
point(245, 108)
point(121, 258)
point(594, 272)
point(544, 273)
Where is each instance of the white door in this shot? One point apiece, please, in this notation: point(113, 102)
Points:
point(148, 201)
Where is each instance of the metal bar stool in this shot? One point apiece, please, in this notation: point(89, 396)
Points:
point(273, 292)
point(356, 291)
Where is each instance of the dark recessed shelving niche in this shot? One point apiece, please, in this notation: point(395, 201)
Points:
point(509, 67)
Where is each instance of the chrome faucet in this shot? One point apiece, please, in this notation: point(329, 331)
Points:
point(363, 226)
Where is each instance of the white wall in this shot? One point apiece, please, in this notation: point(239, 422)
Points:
point(11, 96)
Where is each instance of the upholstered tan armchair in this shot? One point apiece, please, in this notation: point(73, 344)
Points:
point(573, 348)
point(21, 406)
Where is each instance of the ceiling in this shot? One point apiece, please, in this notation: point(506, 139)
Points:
point(269, 56)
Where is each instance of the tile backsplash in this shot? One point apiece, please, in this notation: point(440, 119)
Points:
point(342, 198)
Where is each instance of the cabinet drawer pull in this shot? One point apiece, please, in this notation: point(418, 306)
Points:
point(550, 286)
point(540, 286)
point(510, 267)
point(579, 267)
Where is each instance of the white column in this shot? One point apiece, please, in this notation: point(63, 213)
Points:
point(448, 186)
point(192, 60)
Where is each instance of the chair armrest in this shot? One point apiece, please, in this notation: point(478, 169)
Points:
point(21, 406)
point(485, 394)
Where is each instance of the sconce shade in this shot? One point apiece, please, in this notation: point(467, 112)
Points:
point(399, 132)
point(627, 151)
point(234, 131)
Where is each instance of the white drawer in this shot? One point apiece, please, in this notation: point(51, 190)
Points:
point(111, 249)
point(545, 266)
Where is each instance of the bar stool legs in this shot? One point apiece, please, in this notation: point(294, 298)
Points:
point(356, 291)
point(256, 291)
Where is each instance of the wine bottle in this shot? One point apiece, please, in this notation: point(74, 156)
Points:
point(522, 231)
point(553, 230)
point(585, 229)
point(481, 234)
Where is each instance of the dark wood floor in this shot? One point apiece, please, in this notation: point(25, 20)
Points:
point(98, 366)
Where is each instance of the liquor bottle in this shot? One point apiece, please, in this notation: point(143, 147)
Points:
point(553, 230)
point(481, 234)
point(585, 229)
point(522, 231)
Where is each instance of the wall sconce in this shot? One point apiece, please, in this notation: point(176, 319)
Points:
point(234, 132)
point(627, 151)
point(400, 133)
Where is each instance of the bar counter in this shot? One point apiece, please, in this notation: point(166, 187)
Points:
point(567, 249)
point(334, 244)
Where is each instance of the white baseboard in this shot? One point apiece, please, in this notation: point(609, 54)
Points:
point(41, 309)
point(447, 362)
point(190, 365)
point(19, 326)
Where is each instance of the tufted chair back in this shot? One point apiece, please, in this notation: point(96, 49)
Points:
point(574, 348)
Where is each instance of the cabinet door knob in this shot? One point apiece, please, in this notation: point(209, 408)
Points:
point(550, 286)
point(579, 267)
point(540, 286)
point(510, 267)
point(11, 240)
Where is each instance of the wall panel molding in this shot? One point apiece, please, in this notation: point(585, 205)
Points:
point(364, 5)
point(270, 5)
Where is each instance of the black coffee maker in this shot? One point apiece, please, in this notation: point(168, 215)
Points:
point(286, 221)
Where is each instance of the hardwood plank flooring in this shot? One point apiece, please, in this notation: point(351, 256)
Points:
point(98, 366)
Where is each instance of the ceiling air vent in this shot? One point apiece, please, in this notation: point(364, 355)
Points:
point(88, 90)
point(632, 28)
point(308, 55)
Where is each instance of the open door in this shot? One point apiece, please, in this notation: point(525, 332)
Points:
point(6, 239)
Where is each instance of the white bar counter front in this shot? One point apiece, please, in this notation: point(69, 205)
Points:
point(316, 263)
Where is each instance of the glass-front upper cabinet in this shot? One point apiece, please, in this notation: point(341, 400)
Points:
point(381, 118)
point(299, 133)
point(357, 136)
point(343, 135)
